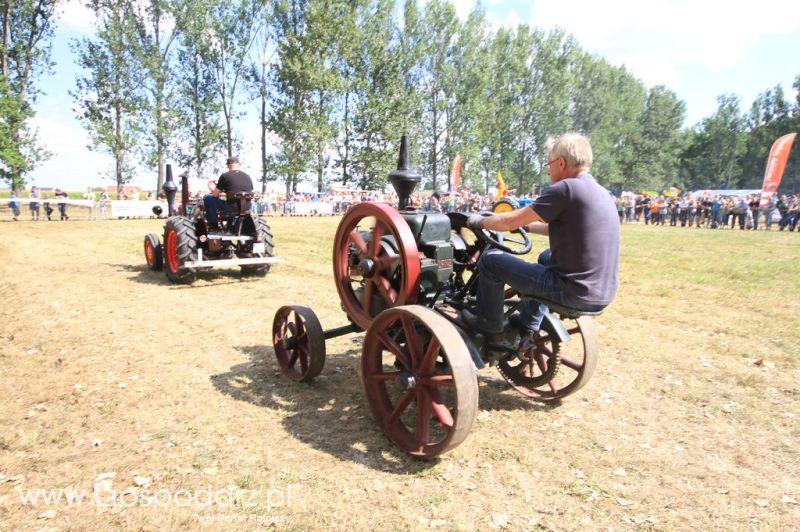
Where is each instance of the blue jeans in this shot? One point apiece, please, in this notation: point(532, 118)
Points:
point(212, 206)
point(497, 269)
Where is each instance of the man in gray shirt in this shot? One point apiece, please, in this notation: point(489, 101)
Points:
point(580, 270)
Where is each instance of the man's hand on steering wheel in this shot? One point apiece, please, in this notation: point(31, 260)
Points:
point(498, 239)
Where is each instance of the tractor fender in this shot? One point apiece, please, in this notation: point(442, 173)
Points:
point(558, 326)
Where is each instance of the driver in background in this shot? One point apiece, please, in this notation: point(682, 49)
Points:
point(231, 182)
point(580, 270)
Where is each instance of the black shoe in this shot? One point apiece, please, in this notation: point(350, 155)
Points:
point(478, 323)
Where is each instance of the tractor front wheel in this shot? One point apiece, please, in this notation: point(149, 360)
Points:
point(153, 252)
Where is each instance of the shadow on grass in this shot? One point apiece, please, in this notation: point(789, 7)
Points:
point(331, 413)
point(205, 278)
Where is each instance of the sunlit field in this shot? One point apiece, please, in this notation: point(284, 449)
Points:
point(161, 407)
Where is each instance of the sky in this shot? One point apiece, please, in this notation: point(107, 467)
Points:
point(700, 49)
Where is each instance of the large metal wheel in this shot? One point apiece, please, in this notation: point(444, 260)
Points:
point(419, 380)
point(375, 262)
point(153, 252)
point(263, 235)
point(551, 370)
point(180, 246)
point(299, 342)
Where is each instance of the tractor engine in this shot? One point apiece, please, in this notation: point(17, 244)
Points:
point(432, 234)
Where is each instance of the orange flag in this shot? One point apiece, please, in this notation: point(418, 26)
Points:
point(456, 173)
point(502, 189)
point(776, 164)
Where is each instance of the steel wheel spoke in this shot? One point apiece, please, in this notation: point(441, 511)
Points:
point(375, 242)
point(444, 381)
point(401, 406)
point(293, 358)
point(413, 341)
point(369, 288)
point(571, 364)
point(395, 348)
point(440, 410)
point(431, 354)
point(385, 261)
point(358, 241)
point(385, 376)
point(385, 288)
point(423, 417)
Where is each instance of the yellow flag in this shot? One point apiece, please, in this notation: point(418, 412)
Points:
point(502, 189)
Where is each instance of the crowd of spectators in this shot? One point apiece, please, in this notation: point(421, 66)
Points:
point(744, 212)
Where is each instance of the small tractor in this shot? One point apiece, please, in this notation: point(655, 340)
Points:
point(189, 246)
point(403, 276)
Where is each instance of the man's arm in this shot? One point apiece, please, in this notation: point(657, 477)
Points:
point(508, 221)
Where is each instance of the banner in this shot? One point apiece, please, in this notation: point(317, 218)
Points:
point(456, 174)
point(776, 164)
point(502, 189)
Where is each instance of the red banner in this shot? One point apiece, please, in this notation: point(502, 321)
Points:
point(456, 173)
point(776, 164)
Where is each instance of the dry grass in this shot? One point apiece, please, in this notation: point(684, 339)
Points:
point(104, 367)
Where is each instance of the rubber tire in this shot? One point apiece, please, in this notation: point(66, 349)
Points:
point(264, 234)
point(158, 252)
point(185, 249)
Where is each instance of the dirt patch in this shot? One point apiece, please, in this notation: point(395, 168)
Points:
point(164, 407)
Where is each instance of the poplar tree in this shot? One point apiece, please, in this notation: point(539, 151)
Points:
point(27, 30)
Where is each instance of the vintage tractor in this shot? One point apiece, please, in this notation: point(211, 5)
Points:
point(402, 276)
point(189, 246)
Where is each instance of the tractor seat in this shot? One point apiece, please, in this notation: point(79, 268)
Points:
point(244, 199)
point(562, 310)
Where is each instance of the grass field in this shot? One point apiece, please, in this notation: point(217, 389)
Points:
point(163, 404)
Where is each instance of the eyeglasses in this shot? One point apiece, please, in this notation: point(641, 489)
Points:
point(554, 160)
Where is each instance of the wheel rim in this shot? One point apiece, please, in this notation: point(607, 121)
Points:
point(299, 342)
point(172, 251)
point(390, 277)
point(149, 253)
point(419, 380)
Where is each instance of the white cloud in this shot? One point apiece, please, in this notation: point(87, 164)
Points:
point(77, 17)
point(653, 38)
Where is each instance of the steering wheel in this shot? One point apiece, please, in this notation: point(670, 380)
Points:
point(499, 240)
point(212, 184)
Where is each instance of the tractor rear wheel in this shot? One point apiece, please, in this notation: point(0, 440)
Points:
point(153, 252)
point(263, 234)
point(180, 247)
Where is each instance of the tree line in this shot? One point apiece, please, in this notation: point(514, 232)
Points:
point(337, 82)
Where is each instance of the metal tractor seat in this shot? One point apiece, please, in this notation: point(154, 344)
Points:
point(245, 198)
point(562, 310)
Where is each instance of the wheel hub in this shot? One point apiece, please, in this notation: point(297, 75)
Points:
point(366, 268)
point(407, 381)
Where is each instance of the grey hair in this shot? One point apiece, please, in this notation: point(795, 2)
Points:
point(574, 148)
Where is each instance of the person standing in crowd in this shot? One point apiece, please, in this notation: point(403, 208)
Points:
point(62, 206)
point(34, 205)
point(753, 204)
point(618, 203)
point(770, 212)
point(793, 213)
point(14, 204)
point(783, 209)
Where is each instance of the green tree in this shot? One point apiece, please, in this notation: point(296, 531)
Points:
point(713, 156)
point(200, 132)
point(109, 98)
point(27, 30)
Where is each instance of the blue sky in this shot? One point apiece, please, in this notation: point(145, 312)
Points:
point(698, 48)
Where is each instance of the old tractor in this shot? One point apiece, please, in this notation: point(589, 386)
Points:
point(402, 276)
point(189, 246)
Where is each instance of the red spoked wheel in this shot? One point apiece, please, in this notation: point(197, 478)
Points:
point(299, 342)
point(419, 380)
point(549, 369)
point(375, 262)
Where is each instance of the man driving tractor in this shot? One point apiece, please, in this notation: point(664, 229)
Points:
point(231, 182)
point(580, 268)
